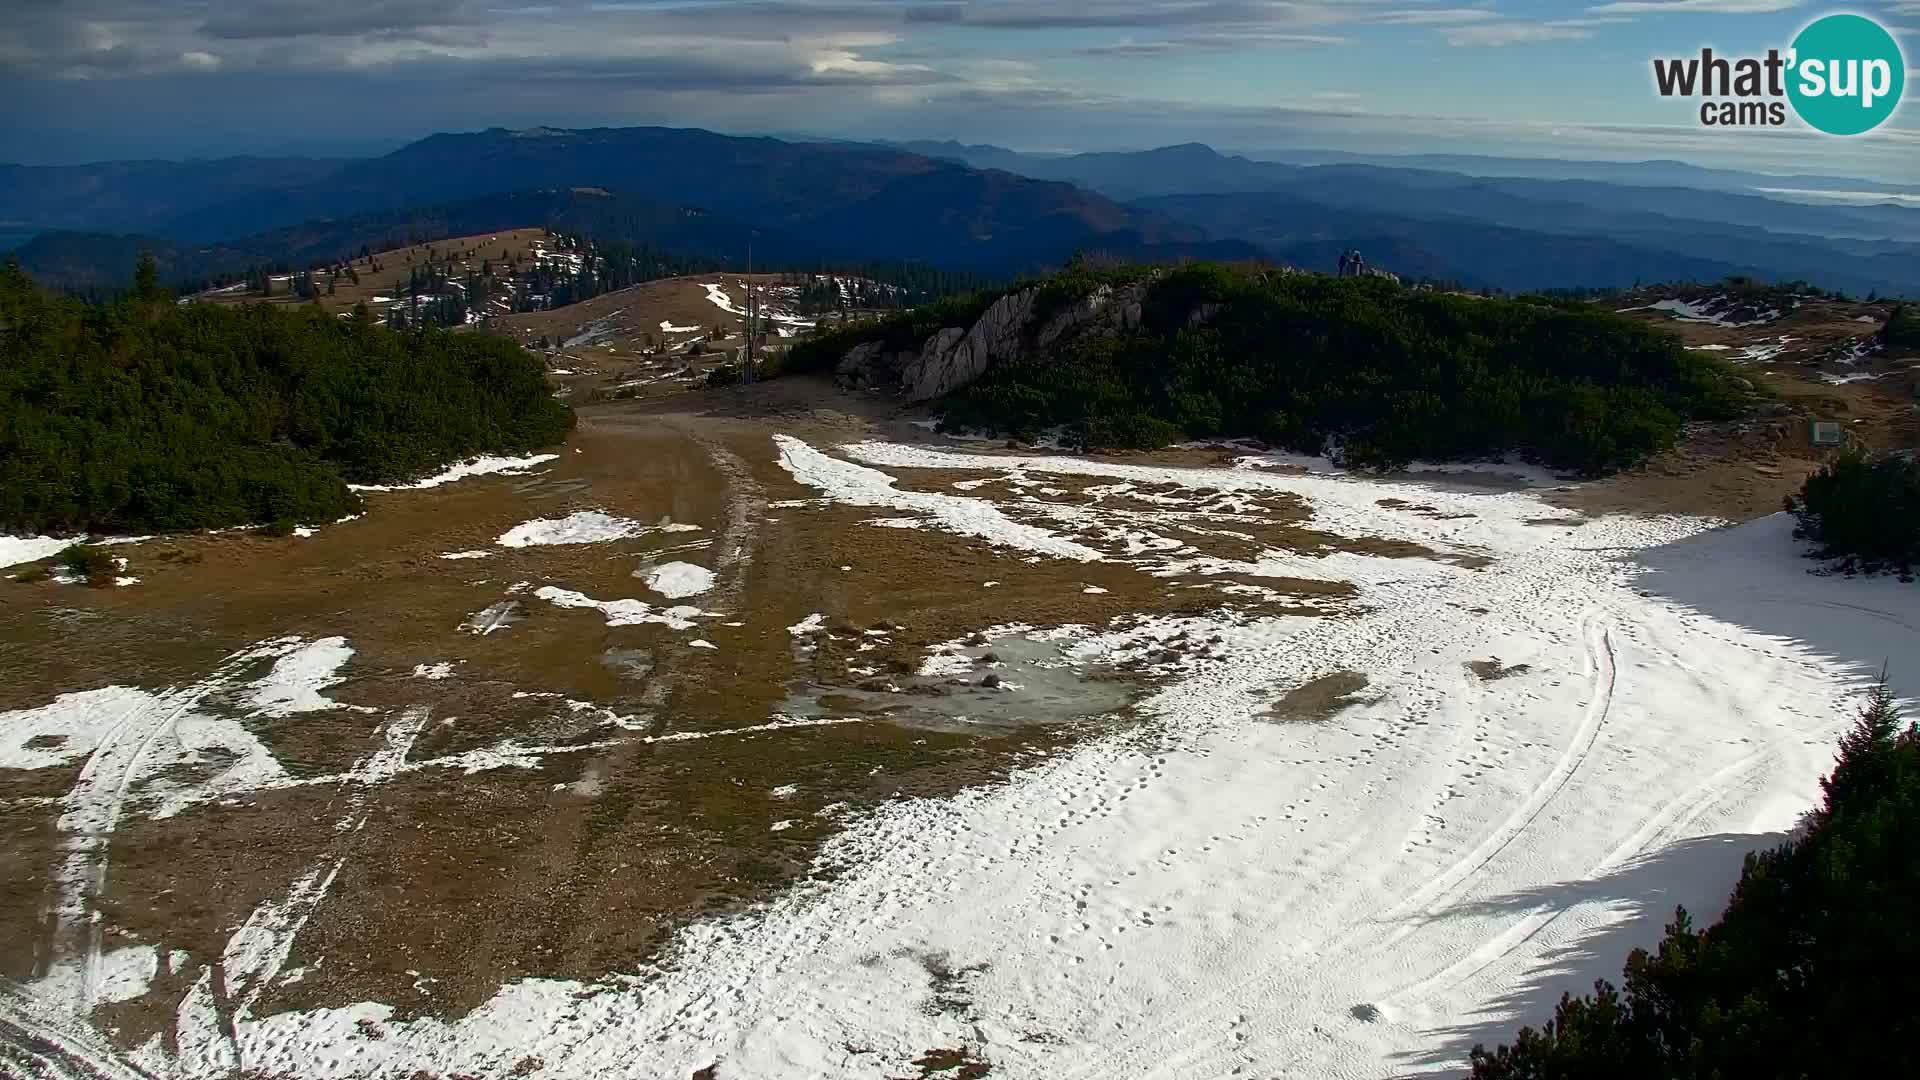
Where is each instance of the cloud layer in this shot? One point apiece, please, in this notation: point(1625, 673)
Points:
point(1039, 73)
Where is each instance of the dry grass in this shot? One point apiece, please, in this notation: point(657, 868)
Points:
point(396, 266)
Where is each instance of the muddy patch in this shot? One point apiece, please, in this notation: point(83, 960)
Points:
point(1000, 684)
point(1319, 700)
point(1432, 512)
point(1493, 671)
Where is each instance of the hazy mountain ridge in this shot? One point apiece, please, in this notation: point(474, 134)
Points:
point(827, 201)
point(82, 260)
point(818, 202)
point(140, 195)
point(1660, 232)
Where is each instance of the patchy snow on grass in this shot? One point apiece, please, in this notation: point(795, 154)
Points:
point(626, 612)
point(1221, 888)
point(582, 527)
point(812, 624)
point(442, 670)
point(1227, 891)
point(717, 296)
point(1708, 310)
point(945, 665)
point(479, 466)
point(666, 326)
point(855, 485)
point(678, 580)
point(454, 555)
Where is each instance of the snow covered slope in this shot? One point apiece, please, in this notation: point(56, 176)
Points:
point(1548, 753)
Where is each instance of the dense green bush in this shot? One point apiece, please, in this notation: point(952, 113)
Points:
point(1903, 328)
point(147, 415)
point(1379, 373)
point(95, 564)
point(1862, 512)
point(1812, 972)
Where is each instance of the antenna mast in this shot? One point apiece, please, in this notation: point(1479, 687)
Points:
point(752, 310)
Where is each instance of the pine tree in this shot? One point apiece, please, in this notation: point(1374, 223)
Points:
point(146, 278)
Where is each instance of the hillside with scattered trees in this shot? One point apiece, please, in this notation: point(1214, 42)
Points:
point(144, 414)
point(1359, 368)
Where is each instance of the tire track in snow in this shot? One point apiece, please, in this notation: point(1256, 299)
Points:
point(1164, 1048)
point(94, 805)
point(1672, 817)
point(256, 952)
point(1599, 646)
point(32, 1046)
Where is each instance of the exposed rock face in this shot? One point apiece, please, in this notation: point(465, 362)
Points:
point(958, 355)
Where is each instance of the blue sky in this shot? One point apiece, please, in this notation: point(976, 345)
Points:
point(95, 78)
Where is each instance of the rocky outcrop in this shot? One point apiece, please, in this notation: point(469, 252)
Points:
point(1007, 331)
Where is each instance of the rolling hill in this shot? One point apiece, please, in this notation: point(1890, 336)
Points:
point(692, 191)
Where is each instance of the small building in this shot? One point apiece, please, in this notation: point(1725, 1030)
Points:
point(1826, 433)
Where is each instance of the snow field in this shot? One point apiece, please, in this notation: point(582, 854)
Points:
point(1219, 890)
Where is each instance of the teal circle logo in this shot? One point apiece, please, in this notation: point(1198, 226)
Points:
point(1847, 74)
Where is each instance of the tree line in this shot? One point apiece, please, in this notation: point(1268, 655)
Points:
point(142, 414)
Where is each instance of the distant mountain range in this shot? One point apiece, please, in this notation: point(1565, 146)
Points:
point(815, 202)
point(974, 207)
point(1657, 173)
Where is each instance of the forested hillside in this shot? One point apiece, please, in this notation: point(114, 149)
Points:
point(1359, 367)
point(144, 414)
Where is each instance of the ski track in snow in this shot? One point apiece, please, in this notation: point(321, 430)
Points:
point(127, 751)
point(1218, 892)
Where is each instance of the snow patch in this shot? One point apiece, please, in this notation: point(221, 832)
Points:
point(125, 974)
point(298, 676)
point(15, 550)
point(677, 580)
point(626, 612)
point(582, 527)
point(480, 466)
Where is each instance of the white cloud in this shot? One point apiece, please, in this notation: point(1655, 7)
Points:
point(1706, 7)
point(1437, 16)
point(1496, 35)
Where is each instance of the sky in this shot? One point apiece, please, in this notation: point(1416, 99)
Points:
point(95, 79)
